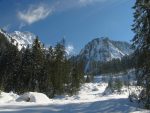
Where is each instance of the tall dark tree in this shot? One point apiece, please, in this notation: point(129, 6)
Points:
point(48, 70)
point(37, 64)
point(141, 42)
point(25, 73)
point(59, 60)
point(77, 75)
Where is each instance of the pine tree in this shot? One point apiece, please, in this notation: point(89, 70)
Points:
point(37, 64)
point(59, 60)
point(77, 76)
point(48, 70)
point(141, 42)
point(25, 71)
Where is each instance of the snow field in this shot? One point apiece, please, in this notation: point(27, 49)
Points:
point(90, 99)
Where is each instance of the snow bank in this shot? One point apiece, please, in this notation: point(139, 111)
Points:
point(34, 97)
point(26, 97)
point(8, 97)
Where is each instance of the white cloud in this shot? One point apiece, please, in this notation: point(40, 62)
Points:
point(70, 49)
point(34, 13)
point(38, 12)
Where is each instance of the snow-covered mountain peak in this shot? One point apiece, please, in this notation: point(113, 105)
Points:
point(102, 50)
point(21, 39)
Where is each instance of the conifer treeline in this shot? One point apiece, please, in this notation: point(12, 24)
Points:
point(37, 69)
point(117, 65)
point(113, 66)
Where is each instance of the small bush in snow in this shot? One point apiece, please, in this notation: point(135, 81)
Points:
point(133, 97)
point(113, 86)
point(118, 85)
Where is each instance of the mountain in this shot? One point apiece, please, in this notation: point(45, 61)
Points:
point(21, 39)
point(103, 50)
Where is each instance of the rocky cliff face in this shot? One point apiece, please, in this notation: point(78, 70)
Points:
point(102, 50)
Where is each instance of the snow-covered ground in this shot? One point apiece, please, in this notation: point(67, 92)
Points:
point(89, 100)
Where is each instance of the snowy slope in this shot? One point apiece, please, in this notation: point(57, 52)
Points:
point(20, 39)
point(103, 49)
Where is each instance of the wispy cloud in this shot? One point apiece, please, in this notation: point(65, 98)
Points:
point(37, 12)
point(34, 13)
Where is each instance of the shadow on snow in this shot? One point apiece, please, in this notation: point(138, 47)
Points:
point(113, 105)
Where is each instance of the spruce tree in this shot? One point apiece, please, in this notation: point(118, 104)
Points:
point(77, 75)
point(141, 42)
point(46, 85)
point(26, 71)
point(37, 64)
point(59, 60)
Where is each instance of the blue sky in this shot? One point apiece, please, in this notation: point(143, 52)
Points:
point(78, 21)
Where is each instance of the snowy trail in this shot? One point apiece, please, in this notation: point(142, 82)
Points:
point(121, 105)
point(89, 100)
